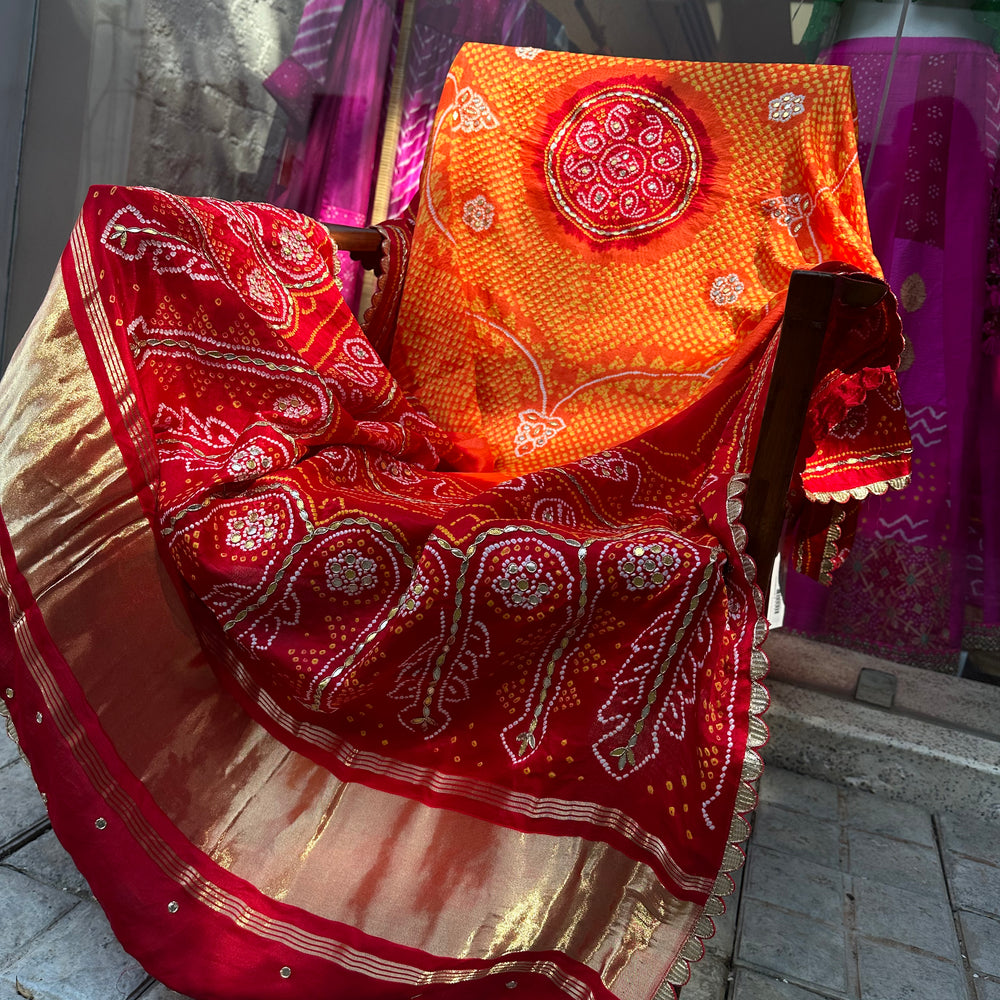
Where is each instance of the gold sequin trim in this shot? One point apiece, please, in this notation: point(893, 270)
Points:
point(860, 492)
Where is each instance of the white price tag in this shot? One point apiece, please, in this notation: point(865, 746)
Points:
point(776, 599)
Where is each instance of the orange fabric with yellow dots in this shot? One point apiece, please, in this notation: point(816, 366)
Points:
point(552, 330)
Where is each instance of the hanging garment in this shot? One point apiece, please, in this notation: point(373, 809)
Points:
point(442, 678)
point(921, 583)
point(334, 86)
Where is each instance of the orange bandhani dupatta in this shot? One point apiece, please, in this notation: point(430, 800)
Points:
point(441, 678)
point(602, 239)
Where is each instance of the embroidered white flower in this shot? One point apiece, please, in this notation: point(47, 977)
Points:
point(360, 351)
point(535, 430)
point(790, 210)
point(526, 51)
point(524, 585)
point(294, 246)
point(608, 466)
point(293, 407)
point(249, 462)
point(478, 214)
point(471, 113)
point(259, 286)
point(736, 607)
point(647, 566)
point(786, 107)
point(251, 530)
point(852, 424)
point(726, 289)
point(350, 572)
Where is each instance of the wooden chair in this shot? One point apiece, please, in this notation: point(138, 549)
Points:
point(811, 295)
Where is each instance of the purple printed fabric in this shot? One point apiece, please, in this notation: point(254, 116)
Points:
point(335, 84)
point(921, 581)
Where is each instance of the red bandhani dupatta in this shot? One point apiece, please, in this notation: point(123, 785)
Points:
point(325, 698)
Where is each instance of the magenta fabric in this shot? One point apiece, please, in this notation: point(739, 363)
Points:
point(329, 176)
point(438, 34)
point(921, 580)
point(334, 87)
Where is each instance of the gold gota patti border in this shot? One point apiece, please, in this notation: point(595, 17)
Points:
point(194, 882)
point(125, 398)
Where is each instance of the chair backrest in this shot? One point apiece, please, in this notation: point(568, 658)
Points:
point(589, 258)
point(596, 238)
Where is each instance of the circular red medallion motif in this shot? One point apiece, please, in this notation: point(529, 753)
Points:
point(622, 162)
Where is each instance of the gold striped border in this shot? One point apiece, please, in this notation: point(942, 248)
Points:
point(213, 896)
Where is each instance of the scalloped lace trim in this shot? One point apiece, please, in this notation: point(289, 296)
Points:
point(753, 765)
point(859, 492)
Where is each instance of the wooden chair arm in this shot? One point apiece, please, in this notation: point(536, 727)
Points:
point(364, 245)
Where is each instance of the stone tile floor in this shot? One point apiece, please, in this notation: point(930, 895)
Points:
point(845, 895)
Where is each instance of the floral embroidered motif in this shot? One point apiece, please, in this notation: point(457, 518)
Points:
point(607, 466)
point(249, 462)
point(360, 351)
point(350, 572)
point(293, 407)
point(791, 211)
point(523, 585)
point(786, 107)
point(294, 246)
point(471, 113)
point(623, 161)
point(526, 52)
point(259, 287)
point(251, 530)
point(478, 214)
point(647, 566)
point(852, 424)
point(726, 289)
point(535, 430)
